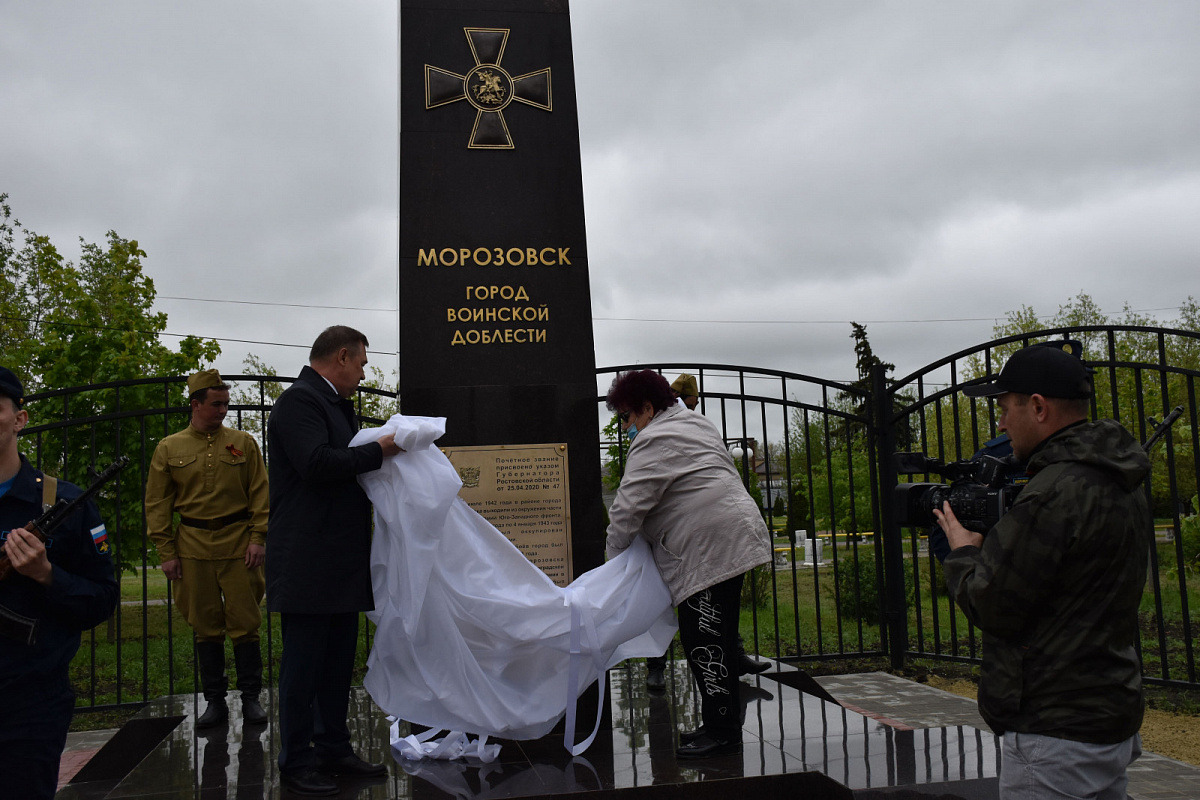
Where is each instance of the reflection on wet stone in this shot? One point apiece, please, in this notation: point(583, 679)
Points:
point(786, 733)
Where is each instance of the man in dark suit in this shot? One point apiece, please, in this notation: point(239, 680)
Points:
point(318, 570)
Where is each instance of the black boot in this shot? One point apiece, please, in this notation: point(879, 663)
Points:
point(656, 680)
point(248, 659)
point(748, 665)
point(210, 660)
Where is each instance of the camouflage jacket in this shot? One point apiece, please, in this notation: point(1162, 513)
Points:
point(1055, 589)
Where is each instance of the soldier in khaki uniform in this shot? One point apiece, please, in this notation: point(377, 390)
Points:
point(215, 479)
point(686, 390)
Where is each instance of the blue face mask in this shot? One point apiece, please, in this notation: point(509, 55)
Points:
point(632, 432)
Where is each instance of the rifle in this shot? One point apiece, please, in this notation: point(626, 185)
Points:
point(1160, 428)
point(17, 626)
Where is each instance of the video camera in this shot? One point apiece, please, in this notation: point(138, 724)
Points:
point(980, 490)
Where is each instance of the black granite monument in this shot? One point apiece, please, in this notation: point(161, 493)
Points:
point(495, 311)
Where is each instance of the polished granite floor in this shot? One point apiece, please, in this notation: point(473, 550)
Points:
point(786, 733)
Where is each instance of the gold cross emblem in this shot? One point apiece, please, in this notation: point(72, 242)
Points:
point(488, 87)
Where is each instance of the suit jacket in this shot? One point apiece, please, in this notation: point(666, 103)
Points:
point(320, 555)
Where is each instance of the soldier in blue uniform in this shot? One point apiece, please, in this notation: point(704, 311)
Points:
point(65, 585)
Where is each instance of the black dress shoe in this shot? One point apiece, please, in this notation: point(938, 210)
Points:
point(309, 783)
point(707, 746)
point(690, 736)
point(351, 766)
point(749, 666)
point(656, 681)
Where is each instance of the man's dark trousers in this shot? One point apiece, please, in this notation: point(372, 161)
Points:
point(314, 687)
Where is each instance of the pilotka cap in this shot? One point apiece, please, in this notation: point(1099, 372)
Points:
point(1048, 371)
point(204, 379)
point(685, 384)
point(11, 387)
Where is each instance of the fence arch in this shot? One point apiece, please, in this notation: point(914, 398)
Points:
point(1141, 374)
point(821, 449)
point(812, 438)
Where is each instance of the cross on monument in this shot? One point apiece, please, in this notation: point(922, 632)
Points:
point(487, 87)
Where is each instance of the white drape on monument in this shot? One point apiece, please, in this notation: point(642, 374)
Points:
point(471, 635)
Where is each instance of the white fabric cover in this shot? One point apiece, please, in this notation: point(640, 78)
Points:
point(420, 746)
point(471, 635)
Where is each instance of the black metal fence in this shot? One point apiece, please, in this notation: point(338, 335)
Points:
point(806, 450)
point(1141, 375)
point(844, 580)
point(145, 650)
point(877, 589)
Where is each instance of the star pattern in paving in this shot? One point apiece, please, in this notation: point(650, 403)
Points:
point(487, 87)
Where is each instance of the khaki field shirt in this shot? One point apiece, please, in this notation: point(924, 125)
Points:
point(206, 476)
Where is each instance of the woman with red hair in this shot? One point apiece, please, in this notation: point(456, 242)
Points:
point(682, 492)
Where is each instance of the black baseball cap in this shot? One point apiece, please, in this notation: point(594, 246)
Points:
point(11, 387)
point(1047, 369)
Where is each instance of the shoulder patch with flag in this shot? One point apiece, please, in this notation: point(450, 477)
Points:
point(100, 539)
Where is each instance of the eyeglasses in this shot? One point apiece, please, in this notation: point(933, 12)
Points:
point(624, 416)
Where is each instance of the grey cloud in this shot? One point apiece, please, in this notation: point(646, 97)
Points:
point(758, 160)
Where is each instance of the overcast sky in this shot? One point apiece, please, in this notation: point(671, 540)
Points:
point(757, 173)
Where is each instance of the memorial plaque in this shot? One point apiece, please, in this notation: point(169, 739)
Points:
point(523, 490)
point(495, 306)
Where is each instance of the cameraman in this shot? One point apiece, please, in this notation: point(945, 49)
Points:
point(1055, 587)
point(1001, 448)
point(998, 448)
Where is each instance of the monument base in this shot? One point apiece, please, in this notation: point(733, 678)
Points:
point(794, 744)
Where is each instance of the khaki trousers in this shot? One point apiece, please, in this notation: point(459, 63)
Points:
point(220, 598)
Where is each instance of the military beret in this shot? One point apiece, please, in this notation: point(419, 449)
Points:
point(685, 386)
point(204, 379)
point(11, 387)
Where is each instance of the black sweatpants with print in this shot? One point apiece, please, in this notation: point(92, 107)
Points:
point(708, 630)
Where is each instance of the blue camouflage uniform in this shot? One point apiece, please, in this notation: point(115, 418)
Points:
point(36, 700)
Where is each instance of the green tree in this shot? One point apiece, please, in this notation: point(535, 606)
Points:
point(831, 448)
point(1123, 393)
point(751, 482)
point(248, 399)
point(830, 464)
point(615, 454)
point(866, 361)
point(69, 324)
point(797, 509)
point(377, 406)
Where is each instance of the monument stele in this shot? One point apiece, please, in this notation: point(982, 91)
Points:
point(495, 308)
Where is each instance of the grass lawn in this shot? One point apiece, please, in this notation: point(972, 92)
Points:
point(146, 651)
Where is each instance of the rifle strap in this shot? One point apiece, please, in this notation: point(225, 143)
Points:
point(49, 491)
